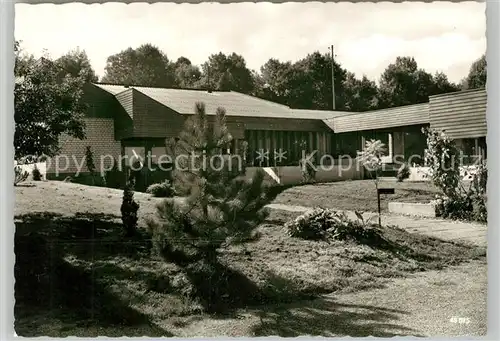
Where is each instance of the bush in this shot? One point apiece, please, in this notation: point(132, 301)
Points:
point(325, 224)
point(129, 210)
point(454, 208)
point(161, 190)
point(442, 156)
point(467, 204)
point(457, 202)
point(37, 175)
point(478, 192)
point(403, 172)
point(20, 175)
point(479, 211)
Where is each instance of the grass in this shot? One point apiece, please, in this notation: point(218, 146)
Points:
point(357, 195)
point(77, 275)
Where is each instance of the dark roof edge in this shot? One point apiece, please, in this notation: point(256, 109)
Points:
point(384, 127)
point(157, 87)
point(455, 93)
point(354, 113)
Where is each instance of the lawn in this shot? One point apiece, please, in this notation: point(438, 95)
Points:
point(358, 195)
point(77, 275)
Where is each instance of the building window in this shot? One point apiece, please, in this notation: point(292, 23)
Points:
point(286, 143)
point(134, 155)
point(469, 149)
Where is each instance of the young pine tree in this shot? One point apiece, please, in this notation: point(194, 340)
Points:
point(219, 206)
point(129, 210)
point(89, 162)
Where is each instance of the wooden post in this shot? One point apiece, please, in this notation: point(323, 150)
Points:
point(378, 204)
point(390, 147)
point(381, 191)
point(362, 170)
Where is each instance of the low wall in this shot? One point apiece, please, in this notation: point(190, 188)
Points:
point(292, 175)
point(419, 173)
point(42, 167)
point(415, 209)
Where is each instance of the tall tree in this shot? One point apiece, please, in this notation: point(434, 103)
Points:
point(443, 85)
point(76, 63)
point(397, 83)
point(45, 106)
point(403, 83)
point(274, 80)
point(143, 66)
point(359, 94)
point(227, 72)
point(305, 84)
point(187, 75)
point(317, 83)
point(476, 78)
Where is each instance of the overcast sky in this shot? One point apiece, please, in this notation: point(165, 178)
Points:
point(441, 36)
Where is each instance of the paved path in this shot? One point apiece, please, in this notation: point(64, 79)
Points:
point(444, 229)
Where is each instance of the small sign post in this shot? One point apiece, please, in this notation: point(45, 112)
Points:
point(385, 191)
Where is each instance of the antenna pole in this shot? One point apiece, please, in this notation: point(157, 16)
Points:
point(333, 79)
point(208, 78)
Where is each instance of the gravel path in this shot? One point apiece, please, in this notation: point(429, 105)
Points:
point(444, 229)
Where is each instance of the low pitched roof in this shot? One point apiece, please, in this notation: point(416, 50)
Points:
point(113, 89)
point(379, 119)
point(318, 114)
point(235, 103)
point(238, 104)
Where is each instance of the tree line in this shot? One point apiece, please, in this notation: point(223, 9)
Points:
point(304, 84)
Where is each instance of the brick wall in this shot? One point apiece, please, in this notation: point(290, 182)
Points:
point(100, 136)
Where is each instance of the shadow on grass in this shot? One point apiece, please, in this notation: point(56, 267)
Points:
point(68, 293)
point(85, 235)
point(325, 317)
point(75, 289)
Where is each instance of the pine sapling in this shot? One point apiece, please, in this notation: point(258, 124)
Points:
point(89, 162)
point(37, 175)
point(129, 210)
point(220, 206)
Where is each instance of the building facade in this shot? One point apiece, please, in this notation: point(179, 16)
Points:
point(137, 121)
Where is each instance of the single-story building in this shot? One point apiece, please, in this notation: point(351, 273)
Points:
point(132, 120)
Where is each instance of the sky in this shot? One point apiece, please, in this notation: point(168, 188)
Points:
point(442, 36)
